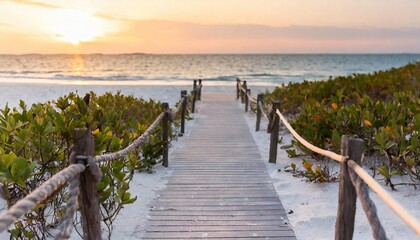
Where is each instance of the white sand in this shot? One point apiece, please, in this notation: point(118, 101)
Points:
point(314, 205)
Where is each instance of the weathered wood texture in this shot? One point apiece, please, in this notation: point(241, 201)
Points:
point(344, 226)
point(274, 131)
point(219, 188)
point(89, 207)
point(183, 110)
point(260, 99)
point(165, 134)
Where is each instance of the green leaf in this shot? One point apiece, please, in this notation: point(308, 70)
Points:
point(19, 167)
point(49, 128)
point(130, 201)
point(103, 196)
point(8, 158)
point(410, 162)
point(14, 232)
point(291, 153)
point(28, 234)
point(126, 196)
point(336, 138)
point(384, 171)
point(115, 144)
point(293, 166)
point(379, 139)
point(390, 144)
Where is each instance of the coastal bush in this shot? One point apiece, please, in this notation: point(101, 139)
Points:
point(382, 108)
point(379, 86)
point(35, 143)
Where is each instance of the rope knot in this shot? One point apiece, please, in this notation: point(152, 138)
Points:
point(271, 117)
point(169, 115)
point(82, 159)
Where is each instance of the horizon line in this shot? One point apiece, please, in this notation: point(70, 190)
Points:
point(250, 53)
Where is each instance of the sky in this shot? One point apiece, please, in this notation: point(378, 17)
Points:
point(216, 26)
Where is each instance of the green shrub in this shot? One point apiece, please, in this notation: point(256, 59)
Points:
point(382, 108)
point(35, 144)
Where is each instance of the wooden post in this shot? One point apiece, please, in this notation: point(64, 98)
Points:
point(194, 98)
point(243, 93)
point(248, 92)
point(165, 130)
point(199, 90)
point(194, 95)
point(183, 110)
point(84, 147)
point(195, 84)
point(260, 99)
point(274, 138)
point(344, 226)
point(238, 86)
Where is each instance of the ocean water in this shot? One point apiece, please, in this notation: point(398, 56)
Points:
point(142, 69)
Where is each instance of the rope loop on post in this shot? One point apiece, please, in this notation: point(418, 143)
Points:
point(271, 117)
point(94, 169)
point(170, 115)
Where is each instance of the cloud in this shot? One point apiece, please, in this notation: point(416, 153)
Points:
point(250, 31)
point(34, 3)
point(107, 16)
point(159, 36)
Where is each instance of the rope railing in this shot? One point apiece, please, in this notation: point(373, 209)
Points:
point(251, 99)
point(66, 226)
point(179, 107)
point(313, 148)
point(388, 199)
point(84, 144)
point(134, 145)
point(42, 193)
point(352, 177)
point(260, 106)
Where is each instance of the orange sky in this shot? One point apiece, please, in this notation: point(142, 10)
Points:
point(217, 26)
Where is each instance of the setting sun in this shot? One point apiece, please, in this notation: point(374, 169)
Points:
point(75, 27)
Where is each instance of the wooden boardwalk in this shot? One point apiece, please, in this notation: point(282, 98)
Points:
point(219, 188)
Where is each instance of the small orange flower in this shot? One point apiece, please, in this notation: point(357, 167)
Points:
point(367, 122)
point(334, 105)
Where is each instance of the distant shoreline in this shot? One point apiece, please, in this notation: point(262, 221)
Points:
point(164, 54)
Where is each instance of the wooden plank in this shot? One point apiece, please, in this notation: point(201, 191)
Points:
point(217, 218)
point(276, 223)
point(253, 238)
point(217, 208)
point(215, 229)
point(217, 213)
point(214, 203)
point(219, 187)
point(236, 234)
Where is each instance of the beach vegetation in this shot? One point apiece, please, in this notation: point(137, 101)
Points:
point(382, 108)
point(36, 142)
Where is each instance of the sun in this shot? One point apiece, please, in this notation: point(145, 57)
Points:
point(75, 27)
